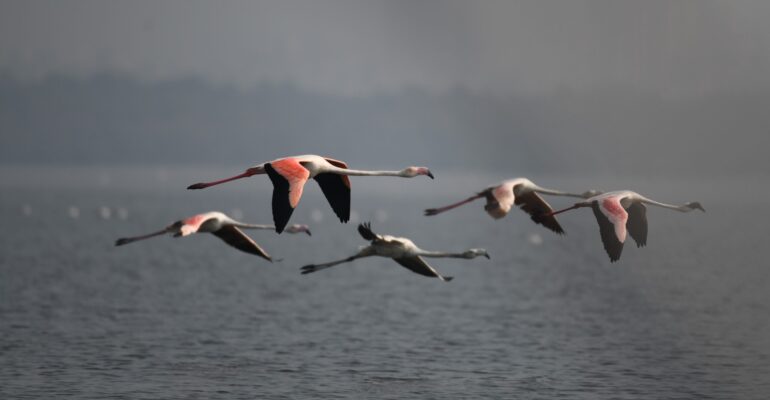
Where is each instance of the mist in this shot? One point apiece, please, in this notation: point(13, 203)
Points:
point(589, 86)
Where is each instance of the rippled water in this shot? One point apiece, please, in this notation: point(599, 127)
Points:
point(685, 317)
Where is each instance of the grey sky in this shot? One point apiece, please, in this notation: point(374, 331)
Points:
point(363, 47)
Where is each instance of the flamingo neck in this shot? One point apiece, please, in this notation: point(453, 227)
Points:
point(427, 253)
point(556, 192)
point(358, 172)
point(682, 208)
point(252, 226)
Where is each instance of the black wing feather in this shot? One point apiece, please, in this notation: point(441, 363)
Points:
point(337, 193)
point(537, 208)
point(637, 223)
point(365, 230)
point(612, 245)
point(419, 266)
point(282, 209)
point(236, 238)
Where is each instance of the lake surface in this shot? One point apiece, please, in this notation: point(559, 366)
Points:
point(547, 317)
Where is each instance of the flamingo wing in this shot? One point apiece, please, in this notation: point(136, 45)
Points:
point(499, 201)
point(288, 177)
point(418, 265)
point(637, 223)
point(537, 208)
point(236, 238)
point(365, 230)
point(336, 188)
point(612, 218)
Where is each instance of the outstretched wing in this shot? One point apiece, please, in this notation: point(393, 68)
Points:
point(418, 265)
point(288, 177)
point(365, 230)
point(499, 201)
point(637, 223)
point(236, 238)
point(336, 188)
point(537, 208)
point(611, 217)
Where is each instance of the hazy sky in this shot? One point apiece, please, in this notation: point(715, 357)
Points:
point(363, 47)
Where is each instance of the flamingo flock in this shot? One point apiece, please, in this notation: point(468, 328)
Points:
point(618, 213)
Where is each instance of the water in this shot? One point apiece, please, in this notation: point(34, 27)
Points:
point(685, 317)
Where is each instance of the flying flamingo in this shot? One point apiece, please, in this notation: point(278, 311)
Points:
point(401, 250)
point(620, 212)
point(289, 175)
point(521, 192)
point(220, 225)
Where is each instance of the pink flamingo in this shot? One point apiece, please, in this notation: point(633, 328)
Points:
point(521, 192)
point(401, 250)
point(620, 212)
point(289, 175)
point(220, 225)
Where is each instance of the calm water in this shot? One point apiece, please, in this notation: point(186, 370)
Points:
point(686, 317)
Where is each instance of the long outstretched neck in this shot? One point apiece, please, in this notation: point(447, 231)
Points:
point(358, 172)
point(249, 172)
point(682, 208)
point(252, 226)
point(434, 211)
point(122, 241)
point(441, 254)
point(556, 192)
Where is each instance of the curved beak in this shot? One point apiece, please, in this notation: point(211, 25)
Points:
point(430, 174)
point(308, 232)
point(487, 256)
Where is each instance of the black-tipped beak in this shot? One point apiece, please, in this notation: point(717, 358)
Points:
point(308, 233)
point(487, 256)
point(196, 186)
point(430, 174)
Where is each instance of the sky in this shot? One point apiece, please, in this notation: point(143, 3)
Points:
point(350, 47)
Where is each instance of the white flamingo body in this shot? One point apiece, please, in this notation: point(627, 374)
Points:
point(289, 175)
point(622, 213)
point(401, 250)
point(523, 192)
point(219, 224)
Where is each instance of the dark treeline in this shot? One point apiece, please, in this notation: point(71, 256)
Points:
point(116, 120)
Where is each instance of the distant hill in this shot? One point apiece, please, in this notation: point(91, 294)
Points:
point(116, 120)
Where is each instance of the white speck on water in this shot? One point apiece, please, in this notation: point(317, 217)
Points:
point(73, 212)
point(317, 216)
point(105, 212)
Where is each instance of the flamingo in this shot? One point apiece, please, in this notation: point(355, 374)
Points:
point(289, 175)
point(521, 192)
point(401, 250)
point(623, 211)
point(220, 225)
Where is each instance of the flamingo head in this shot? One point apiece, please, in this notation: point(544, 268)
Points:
point(694, 205)
point(298, 228)
point(473, 253)
point(411, 172)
